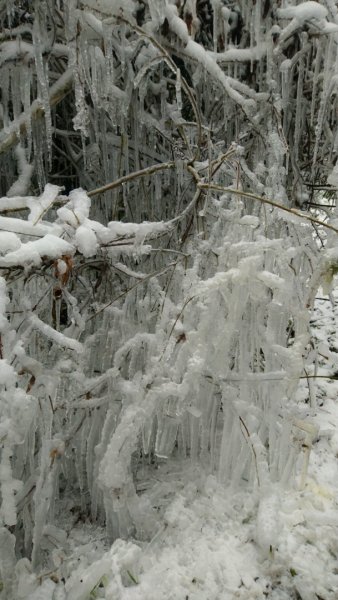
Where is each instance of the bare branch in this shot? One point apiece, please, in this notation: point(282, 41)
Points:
point(130, 177)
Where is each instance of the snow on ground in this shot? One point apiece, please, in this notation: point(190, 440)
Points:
point(216, 544)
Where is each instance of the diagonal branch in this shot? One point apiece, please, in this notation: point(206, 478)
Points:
point(291, 211)
point(130, 177)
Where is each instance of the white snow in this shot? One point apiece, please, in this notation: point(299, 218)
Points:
point(13, 203)
point(38, 206)
point(240, 54)
point(137, 231)
point(333, 177)
point(76, 211)
point(32, 253)
point(7, 373)
point(21, 185)
point(176, 24)
point(303, 12)
point(16, 49)
point(56, 336)
point(9, 242)
point(20, 226)
point(86, 241)
point(198, 53)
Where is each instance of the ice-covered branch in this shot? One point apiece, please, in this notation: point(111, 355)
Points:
point(255, 53)
point(56, 336)
point(264, 200)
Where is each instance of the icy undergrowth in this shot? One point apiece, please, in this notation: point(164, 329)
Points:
point(215, 542)
point(193, 422)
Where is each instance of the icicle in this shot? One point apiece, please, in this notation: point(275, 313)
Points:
point(5, 94)
point(215, 11)
point(167, 428)
point(9, 486)
point(16, 93)
point(126, 164)
point(43, 81)
point(178, 86)
point(329, 56)
point(109, 60)
point(7, 562)
point(258, 21)
point(147, 436)
point(225, 14)
point(107, 430)
point(45, 488)
point(228, 444)
point(10, 6)
point(142, 92)
point(158, 189)
point(27, 90)
point(137, 139)
point(285, 75)
point(299, 108)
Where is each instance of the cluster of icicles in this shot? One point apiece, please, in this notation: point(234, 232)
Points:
point(199, 368)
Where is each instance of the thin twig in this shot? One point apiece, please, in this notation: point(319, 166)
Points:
point(139, 282)
point(130, 176)
point(177, 318)
point(292, 211)
point(251, 446)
